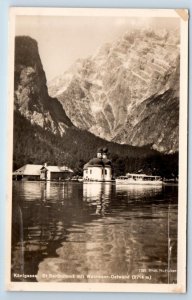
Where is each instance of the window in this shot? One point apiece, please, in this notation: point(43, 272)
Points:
point(105, 172)
point(90, 171)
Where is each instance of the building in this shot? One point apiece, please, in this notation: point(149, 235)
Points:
point(42, 172)
point(55, 172)
point(98, 168)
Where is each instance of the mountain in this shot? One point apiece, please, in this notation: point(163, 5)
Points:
point(31, 97)
point(44, 133)
point(128, 91)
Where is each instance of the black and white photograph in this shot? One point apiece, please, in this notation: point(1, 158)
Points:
point(97, 195)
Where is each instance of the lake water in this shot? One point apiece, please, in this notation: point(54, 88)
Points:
point(94, 232)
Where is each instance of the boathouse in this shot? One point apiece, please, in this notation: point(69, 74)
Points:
point(42, 172)
point(54, 172)
point(98, 168)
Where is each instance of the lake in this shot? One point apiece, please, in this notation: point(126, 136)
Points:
point(94, 232)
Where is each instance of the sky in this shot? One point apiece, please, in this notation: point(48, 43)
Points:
point(64, 39)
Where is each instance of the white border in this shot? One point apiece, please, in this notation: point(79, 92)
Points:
point(180, 287)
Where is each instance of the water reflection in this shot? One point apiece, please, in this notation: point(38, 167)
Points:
point(97, 194)
point(140, 189)
point(96, 229)
point(138, 192)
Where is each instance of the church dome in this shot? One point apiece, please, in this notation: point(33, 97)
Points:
point(106, 162)
point(96, 162)
point(100, 150)
point(105, 150)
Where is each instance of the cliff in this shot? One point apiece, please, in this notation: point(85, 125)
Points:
point(31, 97)
point(128, 91)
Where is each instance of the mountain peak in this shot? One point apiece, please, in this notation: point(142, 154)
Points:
point(31, 97)
point(112, 89)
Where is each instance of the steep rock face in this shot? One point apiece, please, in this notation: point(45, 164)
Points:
point(155, 120)
point(128, 91)
point(31, 97)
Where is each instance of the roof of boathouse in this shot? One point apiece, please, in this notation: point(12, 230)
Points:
point(57, 169)
point(35, 170)
point(28, 170)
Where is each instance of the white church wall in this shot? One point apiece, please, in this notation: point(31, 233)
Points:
point(108, 174)
point(95, 173)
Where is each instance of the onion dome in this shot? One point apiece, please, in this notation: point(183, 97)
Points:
point(100, 150)
point(105, 150)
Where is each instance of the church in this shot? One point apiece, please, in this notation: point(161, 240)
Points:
point(98, 168)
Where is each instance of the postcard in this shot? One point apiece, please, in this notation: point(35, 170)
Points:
point(97, 171)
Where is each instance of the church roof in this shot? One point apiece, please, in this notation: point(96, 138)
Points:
point(98, 162)
point(107, 162)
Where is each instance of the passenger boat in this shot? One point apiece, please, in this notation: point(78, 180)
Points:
point(139, 179)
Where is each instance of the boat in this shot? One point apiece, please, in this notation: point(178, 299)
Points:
point(171, 182)
point(139, 179)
